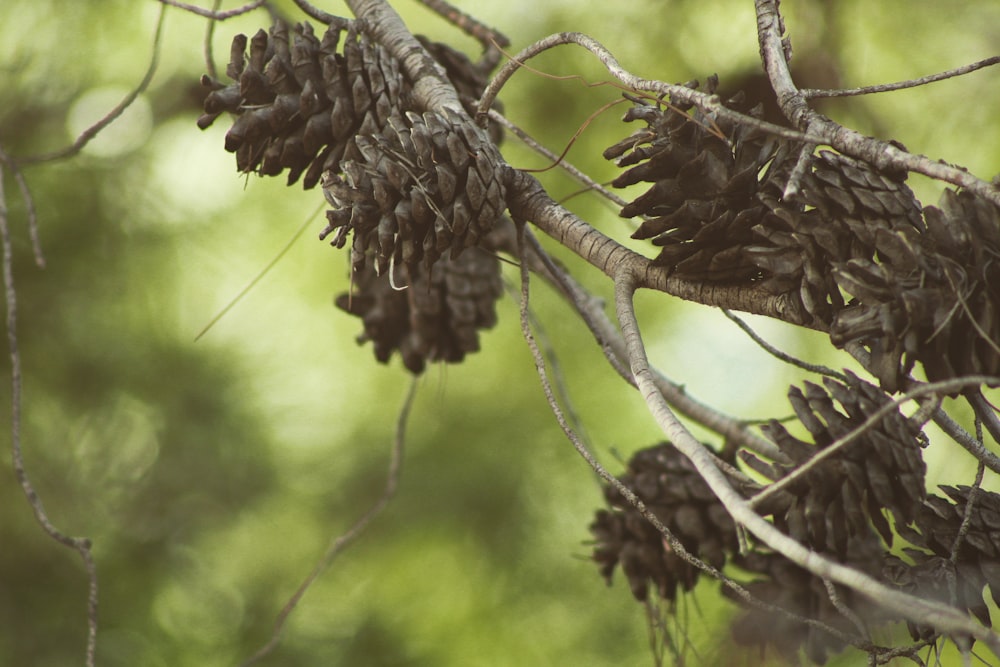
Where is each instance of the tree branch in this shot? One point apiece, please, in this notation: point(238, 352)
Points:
point(528, 200)
point(881, 154)
point(942, 617)
point(431, 88)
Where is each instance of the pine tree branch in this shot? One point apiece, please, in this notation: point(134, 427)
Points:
point(431, 87)
point(944, 618)
point(880, 154)
point(528, 200)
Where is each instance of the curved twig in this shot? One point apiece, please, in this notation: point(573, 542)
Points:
point(81, 545)
point(215, 14)
point(315, 13)
point(564, 164)
point(986, 413)
point(491, 39)
point(813, 93)
point(29, 205)
point(710, 104)
point(778, 354)
point(209, 56)
point(112, 115)
point(340, 543)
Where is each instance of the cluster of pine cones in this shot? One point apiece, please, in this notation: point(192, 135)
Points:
point(417, 191)
point(840, 509)
point(922, 284)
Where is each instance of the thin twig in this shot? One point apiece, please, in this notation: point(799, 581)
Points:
point(339, 544)
point(812, 93)
point(317, 14)
point(775, 352)
point(214, 13)
point(81, 545)
point(260, 275)
point(942, 387)
point(564, 164)
point(29, 205)
point(471, 26)
point(986, 413)
point(112, 115)
point(966, 440)
point(559, 378)
point(845, 611)
point(970, 503)
point(802, 164)
point(210, 67)
point(576, 135)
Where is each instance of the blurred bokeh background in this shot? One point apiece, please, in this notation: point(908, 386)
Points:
point(211, 474)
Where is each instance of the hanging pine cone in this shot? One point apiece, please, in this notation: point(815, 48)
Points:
point(702, 205)
point(844, 496)
point(836, 510)
point(845, 210)
point(416, 189)
point(429, 184)
point(426, 315)
point(668, 484)
point(789, 587)
point(933, 298)
point(299, 101)
point(933, 572)
point(915, 290)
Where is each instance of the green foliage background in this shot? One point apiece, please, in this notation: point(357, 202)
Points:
point(212, 474)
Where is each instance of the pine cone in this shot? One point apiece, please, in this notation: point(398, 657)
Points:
point(845, 211)
point(300, 101)
point(410, 186)
point(933, 574)
point(843, 497)
point(934, 298)
point(436, 317)
point(795, 590)
point(703, 204)
point(427, 185)
point(922, 285)
point(672, 489)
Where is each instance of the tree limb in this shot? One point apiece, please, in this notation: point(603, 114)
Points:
point(942, 617)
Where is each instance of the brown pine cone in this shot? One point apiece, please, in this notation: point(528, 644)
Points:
point(427, 185)
point(932, 573)
point(845, 211)
point(703, 204)
point(844, 497)
point(299, 100)
point(934, 298)
point(789, 587)
point(671, 488)
point(427, 315)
